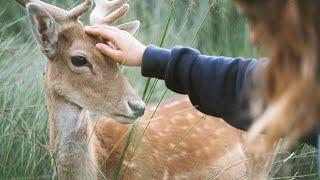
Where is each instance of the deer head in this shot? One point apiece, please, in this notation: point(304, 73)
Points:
point(76, 71)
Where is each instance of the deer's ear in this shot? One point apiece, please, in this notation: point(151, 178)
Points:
point(130, 27)
point(43, 26)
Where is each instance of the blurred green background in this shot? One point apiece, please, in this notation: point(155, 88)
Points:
point(214, 27)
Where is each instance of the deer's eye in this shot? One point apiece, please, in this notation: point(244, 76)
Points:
point(79, 61)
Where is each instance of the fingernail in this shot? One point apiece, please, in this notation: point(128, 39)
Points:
point(99, 46)
point(88, 27)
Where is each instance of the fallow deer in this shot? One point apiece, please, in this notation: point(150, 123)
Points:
point(178, 142)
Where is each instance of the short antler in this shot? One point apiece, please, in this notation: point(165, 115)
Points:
point(79, 10)
point(107, 12)
point(58, 14)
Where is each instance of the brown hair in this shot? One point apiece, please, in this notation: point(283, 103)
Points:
point(290, 29)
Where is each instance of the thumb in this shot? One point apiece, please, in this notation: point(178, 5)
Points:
point(109, 51)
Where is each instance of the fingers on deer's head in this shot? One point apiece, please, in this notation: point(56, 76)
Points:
point(76, 70)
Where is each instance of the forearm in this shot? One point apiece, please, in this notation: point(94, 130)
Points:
point(215, 85)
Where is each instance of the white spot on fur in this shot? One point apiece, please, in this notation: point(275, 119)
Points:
point(175, 157)
point(173, 121)
point(130, 165)
point(181, 177)
point(166, 174)
point(183, 144)
point(144, 140)
point(207, 149)
point(219, 132)
point(171, 145)
point(184, 127)
point(131, 149)
point(190, 116)
point(198, 153)
point(160, 117)
point(155, 152)
point(161, 134)
point(206, 127)
point(183, 153)
point(171, 104)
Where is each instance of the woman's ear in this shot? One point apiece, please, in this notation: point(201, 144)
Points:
point(130, 27)
point(43, 26)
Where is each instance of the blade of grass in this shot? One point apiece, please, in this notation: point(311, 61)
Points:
point(164, 35)
point(202, 21)
point(118, 167)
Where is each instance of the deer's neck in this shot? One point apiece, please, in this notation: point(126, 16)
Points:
point(72, 139)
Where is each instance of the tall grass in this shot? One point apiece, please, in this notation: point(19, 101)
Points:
point(23, 116)
point(214, 27)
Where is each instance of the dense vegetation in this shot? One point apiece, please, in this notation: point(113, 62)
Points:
point(214, 27)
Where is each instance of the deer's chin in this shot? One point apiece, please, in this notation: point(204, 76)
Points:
point(124, 119)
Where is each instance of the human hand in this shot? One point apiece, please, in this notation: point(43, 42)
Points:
point(127, 51)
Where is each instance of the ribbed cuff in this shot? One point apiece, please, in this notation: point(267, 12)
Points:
point(155, 61)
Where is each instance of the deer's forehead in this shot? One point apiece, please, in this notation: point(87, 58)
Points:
point(75, 39)
point(75, 33)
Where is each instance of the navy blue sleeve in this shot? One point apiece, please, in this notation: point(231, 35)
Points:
point(215, 85)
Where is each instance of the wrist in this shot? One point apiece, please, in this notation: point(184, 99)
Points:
point(141, 52)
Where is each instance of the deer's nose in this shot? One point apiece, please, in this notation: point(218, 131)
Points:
point(138, 108)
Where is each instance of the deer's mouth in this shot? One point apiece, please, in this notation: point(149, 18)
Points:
point(123, 119)
point(133, 110)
